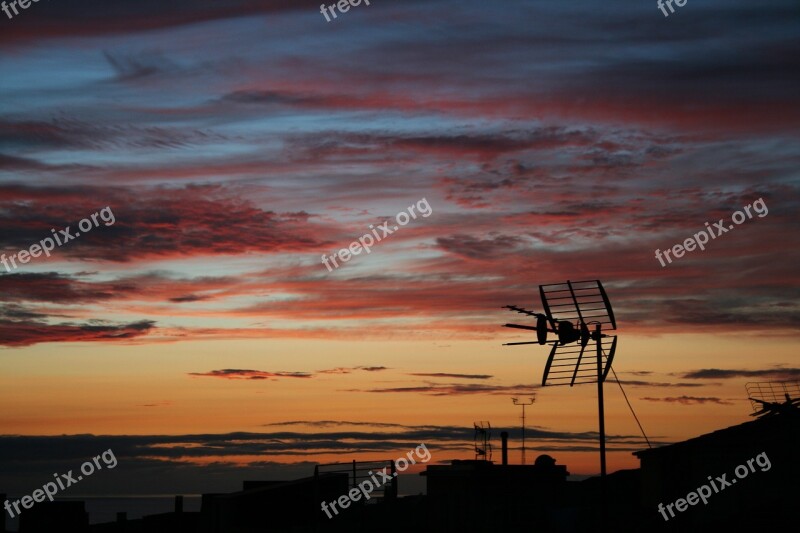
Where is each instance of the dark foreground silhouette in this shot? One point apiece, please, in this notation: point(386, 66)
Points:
point(483, 496)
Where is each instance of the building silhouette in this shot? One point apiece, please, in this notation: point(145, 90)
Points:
point(479, 495)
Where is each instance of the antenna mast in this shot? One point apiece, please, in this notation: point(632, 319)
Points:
point(524, 404)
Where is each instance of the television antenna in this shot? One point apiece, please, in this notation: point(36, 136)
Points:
point(483, 437)
point(524, 404)
point(769, 398)
point(570, 309)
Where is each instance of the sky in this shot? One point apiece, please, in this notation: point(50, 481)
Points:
point(228, 150)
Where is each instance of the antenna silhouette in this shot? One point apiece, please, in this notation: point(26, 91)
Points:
point(769, 398)
point(569, 309)
point(483, 438)
point(524, 404)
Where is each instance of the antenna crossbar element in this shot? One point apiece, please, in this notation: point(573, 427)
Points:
point(586, 303)
point(772, 397)
point(572, 356)
point(521, 310)
point(519, 326)
point(581, 301)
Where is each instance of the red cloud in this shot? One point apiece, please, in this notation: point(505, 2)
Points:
point(235, 373)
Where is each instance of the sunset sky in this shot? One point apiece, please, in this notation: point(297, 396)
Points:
point(201, 337)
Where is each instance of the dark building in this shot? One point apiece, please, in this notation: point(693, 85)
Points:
point(54, 516)
point(481, 494)
point(759, 466)
point(272, 505)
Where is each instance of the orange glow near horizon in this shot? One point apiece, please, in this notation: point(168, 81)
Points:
point(121, 394)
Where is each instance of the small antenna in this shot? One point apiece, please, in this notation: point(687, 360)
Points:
point(483, 437)
point(769, 398)
point(524, 404)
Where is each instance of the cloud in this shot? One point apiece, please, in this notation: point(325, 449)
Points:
point(35, 448)
point(476, 248)
point(80, 288)
point(639, 383)
point(235, 373)
point(454, 389)
point(54, 287)
point(19, 312)
point(246, 374)
point(153, 223)
point(74, 133)
point(270, 97)
point(188, 298)
point(125, 16)
point(716, 373)
point(165, 403)
point(10, 162)
point(689, 400)
point(447, 375)
point(348, 370)
point(329, 423)
point(19, 333)
point(712, 311)
point(130, 67)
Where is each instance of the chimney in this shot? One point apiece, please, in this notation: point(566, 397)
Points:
point(504, 436)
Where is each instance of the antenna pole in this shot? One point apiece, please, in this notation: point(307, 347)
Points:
point(600, 402)
point(523, 433)
point(523, 404)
